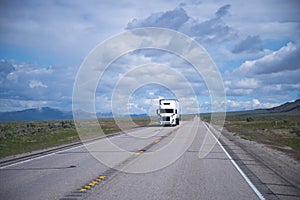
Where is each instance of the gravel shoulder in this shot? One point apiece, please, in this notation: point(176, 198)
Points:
point(275, 173)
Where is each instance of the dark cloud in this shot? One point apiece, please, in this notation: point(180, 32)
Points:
point(213, 30)
point(172, 19)
point(251, 44)
point(224, 10)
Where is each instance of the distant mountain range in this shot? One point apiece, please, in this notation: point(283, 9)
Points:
point(289, 108)
point(46, 113)
point(33, 114)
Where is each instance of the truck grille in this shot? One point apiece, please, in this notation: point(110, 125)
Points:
point(166, 119)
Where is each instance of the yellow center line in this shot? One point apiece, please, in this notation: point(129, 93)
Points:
point(92, 183)
point(139, 152)
point(102, 177)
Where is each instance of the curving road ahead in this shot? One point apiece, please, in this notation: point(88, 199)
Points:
point(148, 163)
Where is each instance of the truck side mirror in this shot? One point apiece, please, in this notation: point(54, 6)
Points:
point(157, 111)
point(175, 111)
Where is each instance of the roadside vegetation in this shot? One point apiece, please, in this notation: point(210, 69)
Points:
point(21, 137)
point(279, 130)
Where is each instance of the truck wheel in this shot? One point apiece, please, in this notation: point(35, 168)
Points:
point(177, 121)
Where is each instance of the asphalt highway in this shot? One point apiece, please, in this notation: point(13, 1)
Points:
point(182, 162)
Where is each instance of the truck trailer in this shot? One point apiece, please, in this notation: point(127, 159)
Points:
point(168, 112)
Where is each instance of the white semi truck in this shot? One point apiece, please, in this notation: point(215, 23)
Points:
point(168, 112)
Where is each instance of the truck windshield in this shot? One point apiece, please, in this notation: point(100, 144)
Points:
point(166, 110)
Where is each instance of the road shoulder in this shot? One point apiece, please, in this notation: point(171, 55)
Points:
point(274, 173)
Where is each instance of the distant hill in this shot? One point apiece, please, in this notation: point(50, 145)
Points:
point(289, 108)
point(44, 113)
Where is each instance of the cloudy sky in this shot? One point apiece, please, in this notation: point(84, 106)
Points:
point(255, 47)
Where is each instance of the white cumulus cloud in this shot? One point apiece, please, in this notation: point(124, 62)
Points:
point(36, 84)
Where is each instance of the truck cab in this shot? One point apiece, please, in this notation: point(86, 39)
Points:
point(168, 112)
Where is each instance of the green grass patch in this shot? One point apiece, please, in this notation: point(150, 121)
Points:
point(247, 137)
point(294, 143)
point(26, 143)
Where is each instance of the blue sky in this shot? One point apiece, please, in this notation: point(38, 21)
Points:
point(255, 46)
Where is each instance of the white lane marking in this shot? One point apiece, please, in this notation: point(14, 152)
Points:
point(249, 182)
point(38, 157)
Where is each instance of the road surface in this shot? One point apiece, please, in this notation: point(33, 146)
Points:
point(148, 163)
